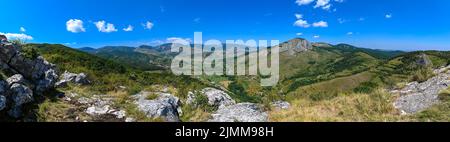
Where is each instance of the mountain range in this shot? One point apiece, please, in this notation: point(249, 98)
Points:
point(318, 75)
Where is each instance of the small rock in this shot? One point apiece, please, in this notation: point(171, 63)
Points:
point(98, 110)
point(243, 112)
point(281, 105)
point(129, 119)
point(18, 78)
point(81, 79)
point(119, 114)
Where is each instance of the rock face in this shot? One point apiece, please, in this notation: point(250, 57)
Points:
point(29, 77)
point(67, 77)
point(243, 112)
point(165, 106)
point(295, 46)
point(416, 97)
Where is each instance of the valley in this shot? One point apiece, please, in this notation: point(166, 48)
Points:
point(318, 82)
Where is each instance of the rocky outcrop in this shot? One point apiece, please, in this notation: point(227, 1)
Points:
point(67, 77)
point(38, 71)
point(28, 77)
point(416, 97)
point(165, 106)
point(295, 46)
point(99, 108)
point(424, 60)
point(281, 105)
point(216, 98)
point(243, 112)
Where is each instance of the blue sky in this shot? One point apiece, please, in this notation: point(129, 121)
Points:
point(382, 24)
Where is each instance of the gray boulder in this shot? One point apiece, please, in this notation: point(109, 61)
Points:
point(21, 94)
point(48, 81)
point(217, 97)
point(81, 79)
point(243, 112)
point(165, 106)
point(281, 105)
point(68, 77)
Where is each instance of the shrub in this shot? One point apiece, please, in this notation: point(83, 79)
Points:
point(29, 52)
point(423, 74)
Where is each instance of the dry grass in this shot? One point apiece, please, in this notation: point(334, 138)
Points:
point(344, 108)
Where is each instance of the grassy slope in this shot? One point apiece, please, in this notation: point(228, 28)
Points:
point(107, 76)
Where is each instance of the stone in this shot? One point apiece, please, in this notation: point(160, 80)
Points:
point(129, 119)
point(281, 105)
point(217, 98)
point(242, 112)
point(21, 94)
point(165, 106)
point(81, 79)
point(67, 77)
point(98, 110)
point(119, 114)
point(48, 81)
point(17, 78)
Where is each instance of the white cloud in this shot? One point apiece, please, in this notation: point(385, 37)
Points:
point(362, 19)
point(128, 29)
point(22, 29)
point(75, 26)
point(350, 33)
point(102, 26)
point(299, 34)
point(148, 25)
point(20, 36)
point(324, 4)
point(298, 16)
point(316, 36)
point(300, 22)
point(303, 2)
point(322, 24)
point(388, 16)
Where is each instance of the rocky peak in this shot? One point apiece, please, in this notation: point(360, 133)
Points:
point(296, 45)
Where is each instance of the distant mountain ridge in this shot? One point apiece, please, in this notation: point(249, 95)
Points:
point(159, 57)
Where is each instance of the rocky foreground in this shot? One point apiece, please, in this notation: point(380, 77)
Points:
point(416, 97)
